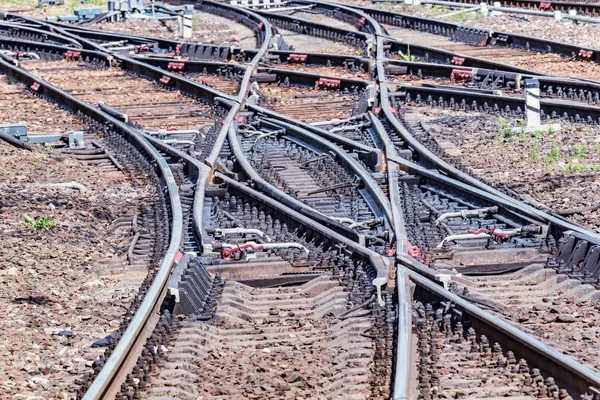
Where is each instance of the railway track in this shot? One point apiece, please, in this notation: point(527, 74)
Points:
point(294, 233)
point(143, 230)
point(581, 7)
point(552, 64)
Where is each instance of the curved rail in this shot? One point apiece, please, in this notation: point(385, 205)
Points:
point(140, 320)
point(408, 269)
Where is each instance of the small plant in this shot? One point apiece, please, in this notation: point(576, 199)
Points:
point(554, 155)
point(535, 151)
point(504, 127)
point(407, 56)
point(581, 152)
point(40, 159)
point(463, 16)
point(573, 167)
point(45, 222)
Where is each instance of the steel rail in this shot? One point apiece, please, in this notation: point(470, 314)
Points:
point(371, 186)
point(284, 198)
point(151, 301)
point(369, 155)
point(577, 90)
point(523, 7)
point(549, 107)
point(370, 24)
point(316, 29)
point(550, 361)
point(489, 37)
point(107, 381)
point(104, 380)
point(204, 171)
point(380, 264)
point(461, 176)
point(45, 35)
point(441, 56)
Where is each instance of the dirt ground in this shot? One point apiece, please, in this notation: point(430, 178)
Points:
point(557, 169)
point(58, 295)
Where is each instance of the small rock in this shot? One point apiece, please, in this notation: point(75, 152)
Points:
point(106, 341)
point(565, 318)
point(559, 310)
point(282, 387)
point(94, 283)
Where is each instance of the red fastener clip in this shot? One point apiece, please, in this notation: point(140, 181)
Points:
point(328, 83)
point(165, 79)
point(239, 119)
point(72, 55)
point(461, 74)
point(362, 21)
point(177, 49)
point(35, 86)
point(586, 54)
point(141, 48)
point(458, 60)
point(545, 5)
point(414, 252)
point(297, 58)
point(391, 252)
point(176, 66)
point(178, 257)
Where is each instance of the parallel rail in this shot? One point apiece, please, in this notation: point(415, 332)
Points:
point(576, 375)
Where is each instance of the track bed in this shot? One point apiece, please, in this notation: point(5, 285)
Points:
point(146, 103)
point(552, 64)
point(272, 343)
point(557, 170)
point(206, 28)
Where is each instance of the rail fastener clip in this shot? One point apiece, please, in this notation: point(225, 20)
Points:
point(328, 83)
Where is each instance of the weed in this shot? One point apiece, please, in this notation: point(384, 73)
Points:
point(535, 151)
point(573, 167)
point(554, 155)
point(463, 16)
point(44, 222)
point(407, 56)
point(581, 152)
point(42, 158)
point(504, 127)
